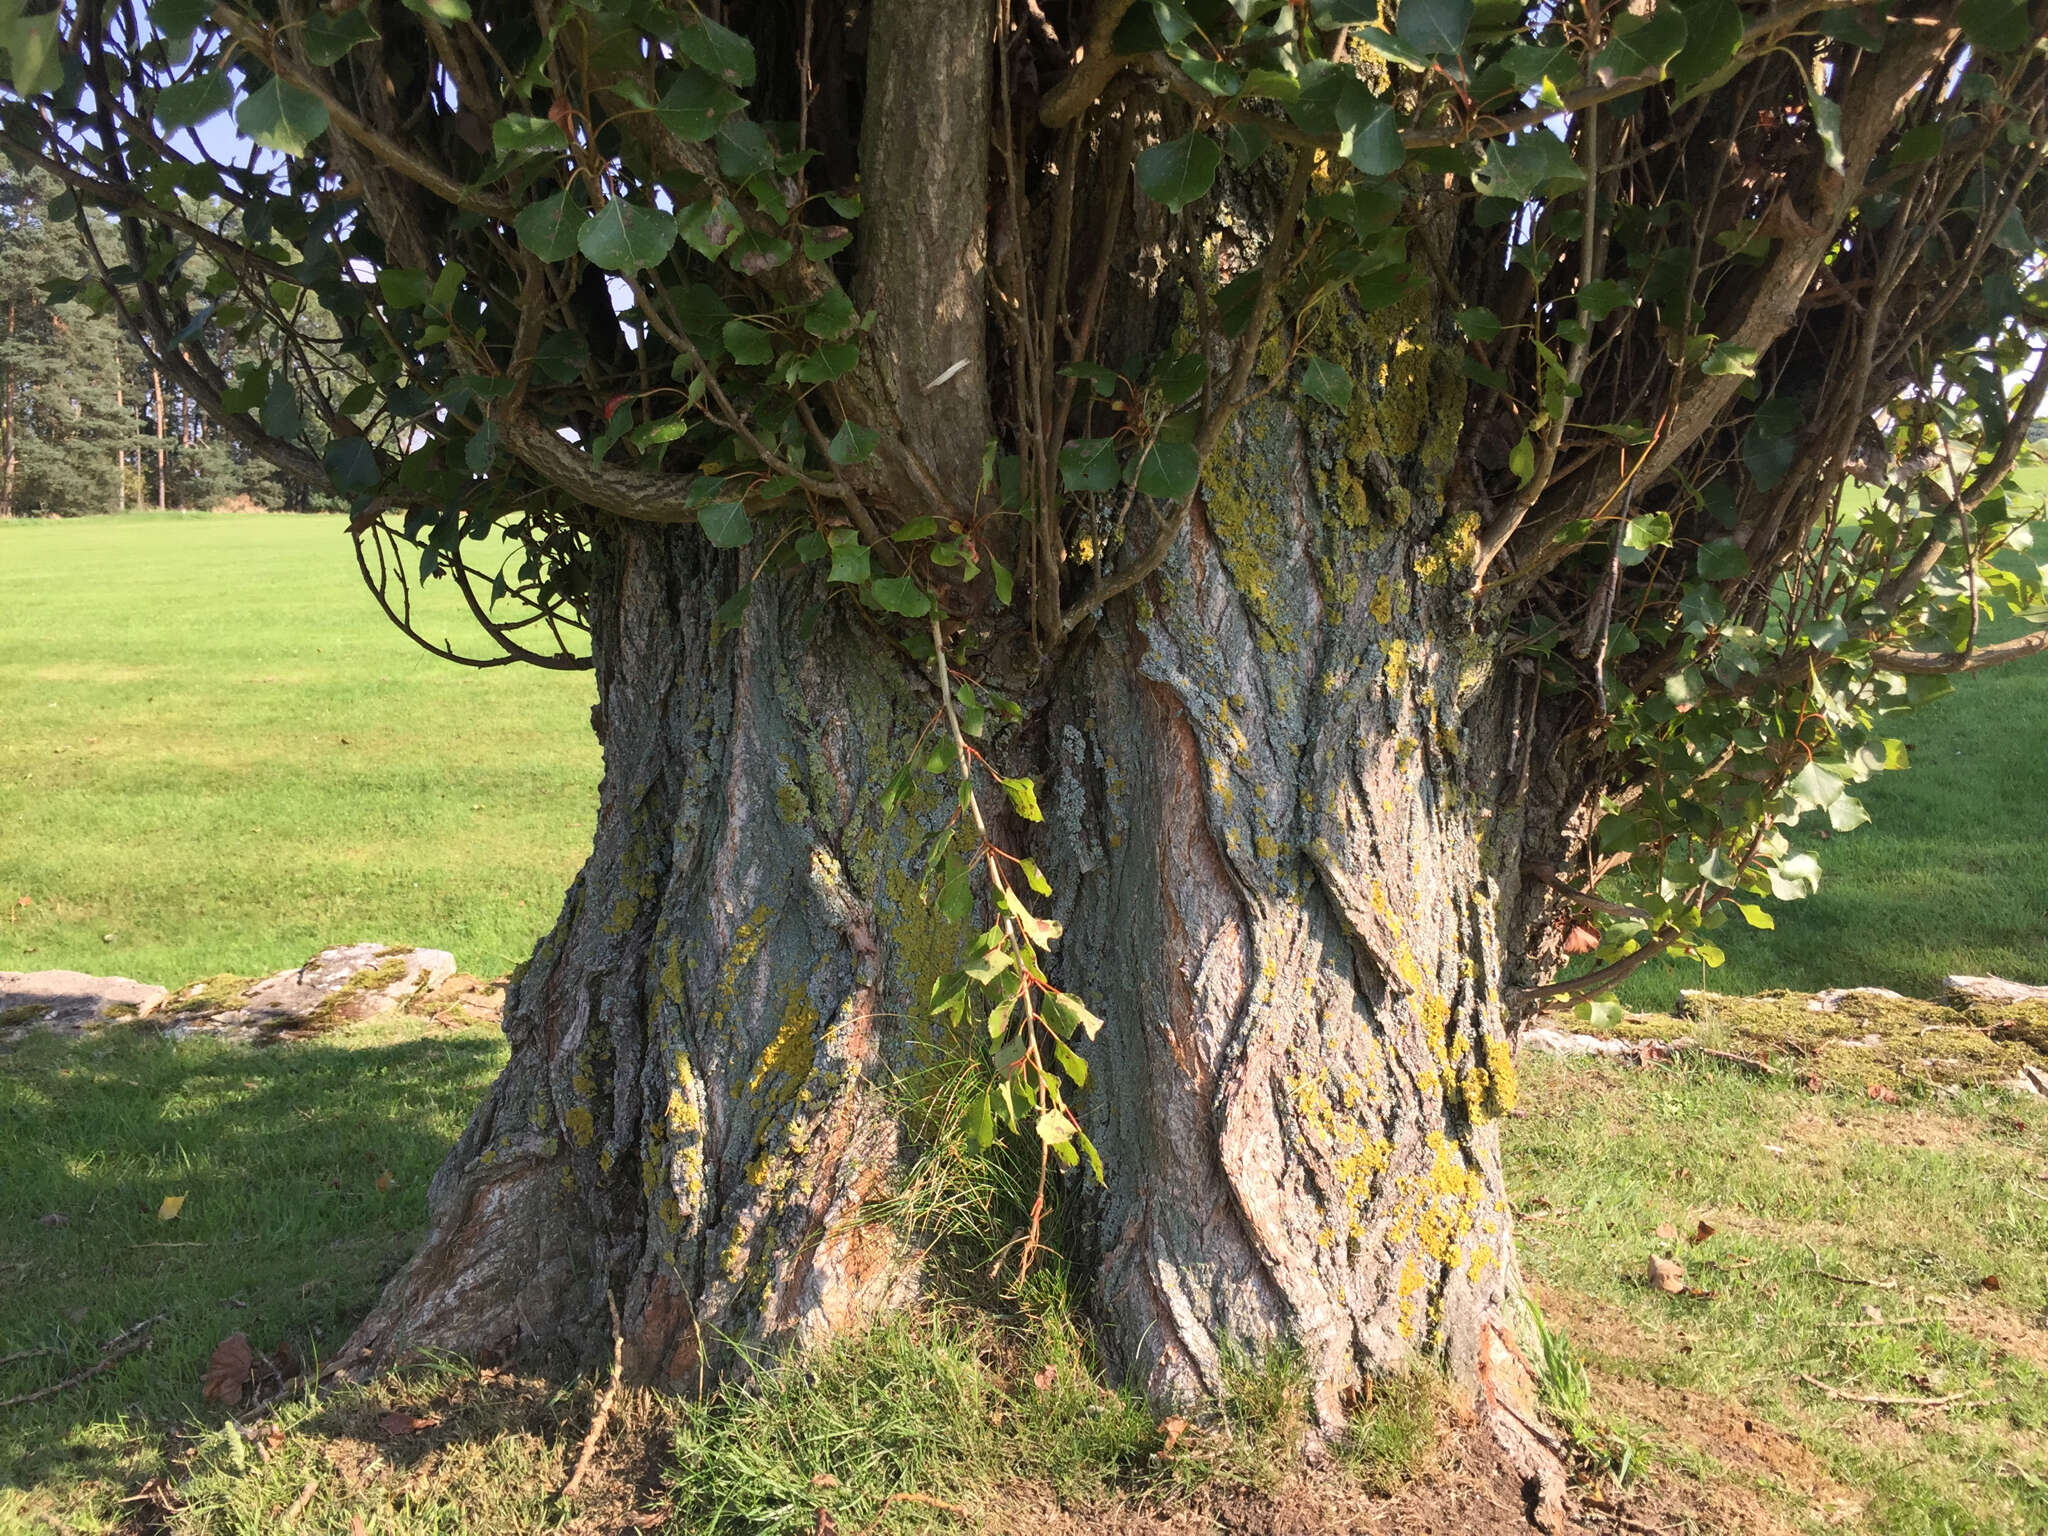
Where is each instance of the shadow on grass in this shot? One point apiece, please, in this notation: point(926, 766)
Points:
point(302, 1171)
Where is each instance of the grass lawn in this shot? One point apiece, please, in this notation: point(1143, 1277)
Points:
point(1877, 1249)
point(1950, 876)
point(218, 752)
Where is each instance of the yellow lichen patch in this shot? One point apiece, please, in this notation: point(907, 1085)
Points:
point(581, 1127)
point(786, 1064)
point(1383, 602)
point(1502, 1084)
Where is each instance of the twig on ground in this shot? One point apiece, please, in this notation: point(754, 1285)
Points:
point(911, 1498)
point(1828, 1274)
point(28, 1354)
point(1755, 1064)
point(115, 1350)
point(604, 1407)
point(299, 1504)
point(1884, 1400)
point(1888, 1322)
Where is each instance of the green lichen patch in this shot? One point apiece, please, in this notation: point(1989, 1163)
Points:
point(349, 1002)
point(214, 994)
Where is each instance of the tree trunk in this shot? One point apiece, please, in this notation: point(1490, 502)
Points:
point(156, 379)
point(7, 426)
point(1271, 780)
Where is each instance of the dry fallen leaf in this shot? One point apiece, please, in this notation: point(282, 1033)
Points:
point(824, 1480)
point(1045, 1378)
point(168, 1211)
point(1990, 1283)
point(1666, 1233)
point(1701, 1234)
point(1667, 1275)
point(822, 1523)
point(385, 1183)
point(1883, 1094)
point(1173, 1429)
point(54, 1219)
point(1814, 1084)
point(1581, 940)
point(404, 1421)
point(1872, 1314)
point(227, 1370)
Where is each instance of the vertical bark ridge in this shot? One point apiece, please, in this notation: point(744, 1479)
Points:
point(1283, 904)
point(697, 1111)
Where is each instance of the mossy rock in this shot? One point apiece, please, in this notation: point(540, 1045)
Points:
point(1866, 1036)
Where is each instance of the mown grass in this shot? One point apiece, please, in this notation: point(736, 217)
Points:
point(1877, 1249)
point(303, 1168)
point(217, 755)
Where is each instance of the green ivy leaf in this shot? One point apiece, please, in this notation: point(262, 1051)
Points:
point(850, 557)
point(282, 117)
point(351, 465)
point(1536, 164)
point(725, 524)
point(694, 104)
point(482, 448)
point(1522, 461)
point(1722, 560)
point(1713, 33)
point(1686, 688)
point(719, 50)
point(191, 102)
point(852, 443)
point(329, 35)
point(404, 287)
point(1996, 26)
point(1178, 172)
point(709, 228)
point(32, 47)
point(1728, 359)
point(1023, 798)
point(1433, 27)
point(1325, 381)
point(1088, 464)
point(749, 345)
point(549, 227)
point(1169, 472)
point(900, 594)
point(624, 237)
point(1479, 324)
point(520, 133)
point(1641, 45)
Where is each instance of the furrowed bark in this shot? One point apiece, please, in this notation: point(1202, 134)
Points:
point(1273, 784)
point(695, 1116)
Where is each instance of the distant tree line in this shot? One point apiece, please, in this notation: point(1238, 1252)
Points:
point(87, 425)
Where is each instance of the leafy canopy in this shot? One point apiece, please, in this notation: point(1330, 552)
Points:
point(1747, 297)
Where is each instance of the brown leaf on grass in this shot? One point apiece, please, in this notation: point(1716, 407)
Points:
point(1814, 1083)
point(1701, 1233)
point(1990, 1283)
point(1172, 1429)
point(1883, 1094)
point(227, 1370)
point(824, 1480)
point(386, 1183)
point(822, 1523)
point(1667, 1275)
point(356, 1526)
point(1045, 1378)
point(403, 1421)
point(1666, 1233)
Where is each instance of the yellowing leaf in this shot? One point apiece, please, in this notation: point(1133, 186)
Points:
point(168, 1211)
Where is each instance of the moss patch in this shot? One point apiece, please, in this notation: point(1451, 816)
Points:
point(1859, 1038)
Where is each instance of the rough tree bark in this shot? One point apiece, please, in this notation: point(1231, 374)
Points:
point(1284, 783)
point(1272, 778)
